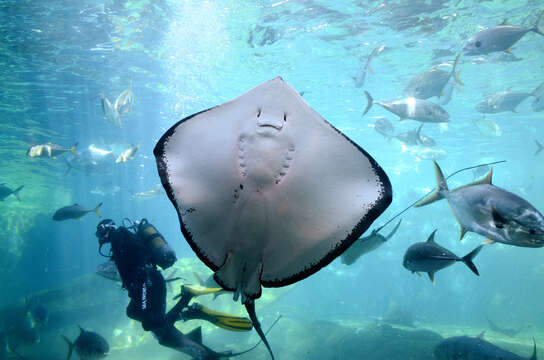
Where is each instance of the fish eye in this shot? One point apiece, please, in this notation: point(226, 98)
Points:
point(532, 232)
point(478, 44)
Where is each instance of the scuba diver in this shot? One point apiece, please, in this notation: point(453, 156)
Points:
point(137, 250)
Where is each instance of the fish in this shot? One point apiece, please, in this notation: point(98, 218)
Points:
point(361, 76)
point(123, 103)
point(501, 102)
point(74, 212)
point(414, 137)
point(506, 331)
point(384, 127)
point(110, 111)
point(491, 211)
point(474, 348)
point(539, 148)
point(430, 257)
point(144, 195)
point(50, 150)
point(411, 108)
point(538, 102)
point(366, 244)
point(5, 191)
point(427, 153)
point(88, 345)
point(18, 329)
point(128, 154)
point(498, 38)
point(210, 283)
point(92, 161)
point(432, 83)
point(447, 93)
point(38, 314)
point(254, 193)
point(487, 127)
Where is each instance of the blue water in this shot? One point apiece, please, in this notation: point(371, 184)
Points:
point(187, 56)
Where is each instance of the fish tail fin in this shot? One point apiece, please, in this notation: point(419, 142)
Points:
point(70, 347)
point(441, 189)
point(539, 147)
point(370, 102)
point(73, 149)
point(97, 210)
point(454, 73)
point(16, 192)
point(533, 357)
point(537, 28)
point(250, 307)
point(467, 259)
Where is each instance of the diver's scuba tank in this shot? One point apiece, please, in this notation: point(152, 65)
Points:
point(161, 253)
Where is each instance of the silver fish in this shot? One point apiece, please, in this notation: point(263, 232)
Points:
point(143, 195)
point(74, 212)
point(538, 102)
point(88, 345)
point(128, 154)
point(430, 257)
point(361, 77)
point(491, 211)
point(414, 137)
point(499, 38)
point(501, 102)
point(50, 150)
point(366, 244)
point(432, 83)
point(124, 101)
point(384, 127)
point(110, 111)
point(412, 108)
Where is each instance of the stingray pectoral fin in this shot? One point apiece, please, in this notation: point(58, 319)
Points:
point(467, 259)
point(431, 276)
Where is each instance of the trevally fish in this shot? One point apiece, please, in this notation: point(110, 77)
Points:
point(474, 348)
point(500, 102)
point(361, 76)
point(128, 154)
point(366, 244)
point(538, 102)
point(488, 127)
point(88, 346)
point(430, 257)
point(6, 191)
point(411, 108)
point(143, 195)
point(414, 137)
point(432, 82)
point(506, 331)
point(93, 160)
point(491, 211)
point(499, 38)
point(74, 212)
point(539, 147)
point(50, 150)
point(123, 103)
point(110, 111)
point(384, 127)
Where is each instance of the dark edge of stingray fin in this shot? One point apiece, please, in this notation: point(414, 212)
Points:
point(250, 308)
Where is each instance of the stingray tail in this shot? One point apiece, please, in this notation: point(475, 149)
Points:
point(533, 357)
point(97, 210)
point(537, 28)
point(70, 347)
point(16, 192)
point(440, 191)
point(370, 102)
point(539, 147)
point(467, 259)
point(454, 73)
point(257, 344)
point(393, 231)
point(250, 307)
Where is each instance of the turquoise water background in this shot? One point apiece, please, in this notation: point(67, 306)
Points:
point(186, 56)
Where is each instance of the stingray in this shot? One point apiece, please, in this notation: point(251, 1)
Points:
point(267, 191)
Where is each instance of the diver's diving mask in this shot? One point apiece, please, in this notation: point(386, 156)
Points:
point(102, 230)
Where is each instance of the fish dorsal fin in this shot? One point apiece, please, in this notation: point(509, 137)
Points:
point(431, 237)
point(463, 231)
point(431, 276)
point(196, 335)
point(481, 336)
point(81, 330)
point(486, 180)
point(504, 22)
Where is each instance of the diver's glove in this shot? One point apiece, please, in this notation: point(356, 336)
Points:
point(220, 319)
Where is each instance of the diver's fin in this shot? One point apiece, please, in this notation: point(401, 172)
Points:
point(467, 259)
point(97, 210)
point(16, 192)
point(454, 72)
point(539, 147)
point(498, 219)
point(463, 230)
point(537, 28)
point(509, 51)
point(73, 149)
point(390, 235)
point(70, 347)
point(533, 357)
point(489, 241)
point(198, 290)
point(196, 335)
point(430, 239)
point(250, 307)
point(431, 276)
point(220, 319)
point(370, 102)
point(438, 193)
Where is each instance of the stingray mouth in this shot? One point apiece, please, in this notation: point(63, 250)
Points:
point(266, 120)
